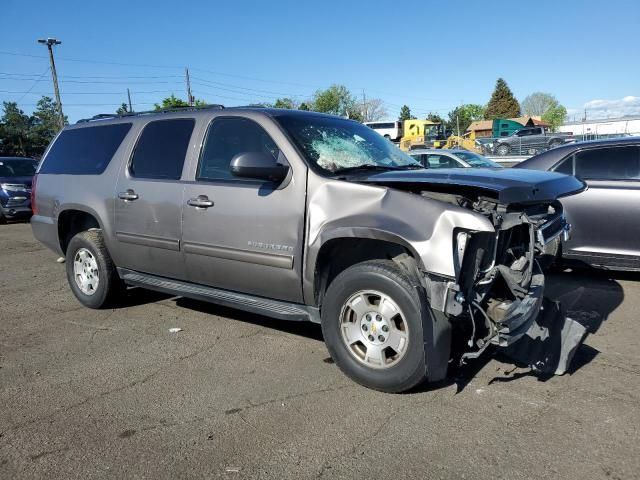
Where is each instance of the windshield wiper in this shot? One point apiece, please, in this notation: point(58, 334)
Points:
point(381, 168)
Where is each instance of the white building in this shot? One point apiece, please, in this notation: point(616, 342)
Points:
point(608, 127)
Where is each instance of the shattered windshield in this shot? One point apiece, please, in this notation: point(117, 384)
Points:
point(336, 144)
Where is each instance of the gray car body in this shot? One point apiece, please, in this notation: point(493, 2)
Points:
point(522, 144)
point(449, 153)
point(265, 247)
point(159, 233)
point(605, 217)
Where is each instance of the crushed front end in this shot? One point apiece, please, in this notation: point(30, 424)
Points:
point(499, 289)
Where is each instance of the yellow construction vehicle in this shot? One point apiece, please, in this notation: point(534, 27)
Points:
point(422, 134)
point(465, 142)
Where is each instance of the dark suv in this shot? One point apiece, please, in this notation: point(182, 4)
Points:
point(302, 216)
point(15, 187)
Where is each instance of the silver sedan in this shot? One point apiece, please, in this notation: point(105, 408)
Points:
point(454, 158)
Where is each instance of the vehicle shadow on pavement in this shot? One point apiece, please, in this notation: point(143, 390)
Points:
point(303, 329)
point(588, 297)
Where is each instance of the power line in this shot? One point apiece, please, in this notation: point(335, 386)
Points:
point(34, 84)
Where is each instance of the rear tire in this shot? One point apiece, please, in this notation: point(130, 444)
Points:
point(3, 219)
point(91, 273)
point(386, 351)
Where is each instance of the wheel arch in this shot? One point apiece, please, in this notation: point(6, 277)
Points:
point(73, 220)
point(340, 251)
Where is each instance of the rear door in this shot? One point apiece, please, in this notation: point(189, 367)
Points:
point(606, 217)
point(148, 203)
point(241, 234)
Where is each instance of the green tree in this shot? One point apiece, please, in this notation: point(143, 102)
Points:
point(555, 116)
point(304, 106)
point(286, 103)
point(336, 100)
point(502, 103)
point(122, 109)
point(44, 125)
point(171, 102)
point(405, 114)
point(434, 117)
point(463, 115)
point(14, 131)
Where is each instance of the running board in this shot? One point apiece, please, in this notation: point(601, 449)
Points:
point(241, 301)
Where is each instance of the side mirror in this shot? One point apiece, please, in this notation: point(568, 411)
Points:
point(258, 165)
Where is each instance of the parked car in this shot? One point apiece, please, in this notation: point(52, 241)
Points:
point(441, 158)
point(15, 187)
point(391, 130)
point(605, 217)
point(302, 216)
point(528, 140)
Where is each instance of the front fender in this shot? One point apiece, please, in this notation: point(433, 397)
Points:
point(425, 227)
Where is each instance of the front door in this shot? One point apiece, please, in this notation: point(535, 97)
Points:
point(148, 203)
point(241, 234)
point(606, 216)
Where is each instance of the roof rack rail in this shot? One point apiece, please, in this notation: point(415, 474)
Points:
point(103, 116)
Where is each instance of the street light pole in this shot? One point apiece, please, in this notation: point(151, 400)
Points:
point(50, 42)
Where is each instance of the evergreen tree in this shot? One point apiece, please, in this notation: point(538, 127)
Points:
point(502, 103)
point(405, 114)
point(44, 126)
point(14, 131)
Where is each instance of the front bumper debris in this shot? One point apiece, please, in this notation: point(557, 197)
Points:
point(550, 342)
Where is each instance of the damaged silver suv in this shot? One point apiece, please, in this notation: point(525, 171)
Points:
point(306, 217)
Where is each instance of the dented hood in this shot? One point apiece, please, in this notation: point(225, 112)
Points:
point(506, 185)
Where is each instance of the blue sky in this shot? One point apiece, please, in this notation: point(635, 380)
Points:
point(428, 56)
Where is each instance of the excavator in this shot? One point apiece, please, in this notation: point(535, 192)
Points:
point(430, 134)
point(422, 134)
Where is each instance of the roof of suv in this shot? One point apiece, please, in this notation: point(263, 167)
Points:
point(546, 160)
point(207, 109)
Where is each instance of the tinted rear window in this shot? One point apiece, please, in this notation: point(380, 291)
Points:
point(84, 151)
point(161, 149)
point(610, 163)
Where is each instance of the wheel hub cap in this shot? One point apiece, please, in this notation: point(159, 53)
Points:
point(374, 329)
point(85, 271)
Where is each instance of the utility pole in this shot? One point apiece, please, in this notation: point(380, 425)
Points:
point(458, 124)
point(189, 96)
point(365, 114)
point(50, 42)
point(129, 97)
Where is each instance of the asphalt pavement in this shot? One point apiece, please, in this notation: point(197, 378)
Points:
point(113, 394)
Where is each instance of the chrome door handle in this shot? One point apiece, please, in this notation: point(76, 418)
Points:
point(128, 196)
point(201, 201)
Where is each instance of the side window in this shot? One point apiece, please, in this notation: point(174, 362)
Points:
point(226, 138)
point(612, 163)
point(441, 161)
point(84, 151)
point(566, 166)
point(420, 157)
point(161, 149)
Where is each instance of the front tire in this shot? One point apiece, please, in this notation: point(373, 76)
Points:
point(503, 150)
point(372, 322)
point(91, 273)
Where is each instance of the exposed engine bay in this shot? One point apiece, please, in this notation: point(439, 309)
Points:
point(500, 283)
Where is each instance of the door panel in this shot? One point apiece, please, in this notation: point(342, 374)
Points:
point(606, 216)
point(148, 200)
point(148, 228)
point(605, 219)
point(249, 237)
